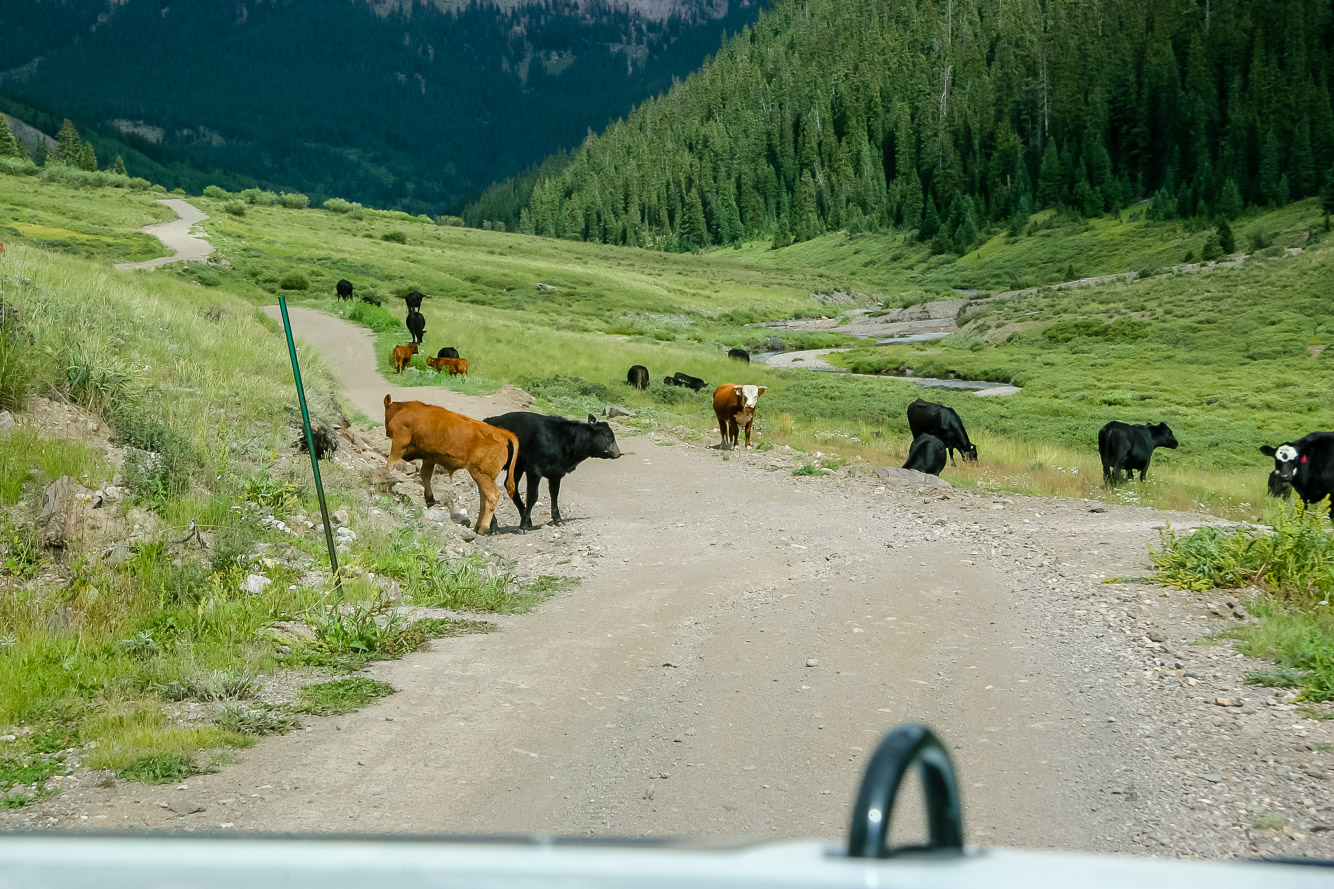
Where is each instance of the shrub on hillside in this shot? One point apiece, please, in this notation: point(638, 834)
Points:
point(17, 166)
point(259, 197)
point(1260, 238)
point(395, 237)
point(337, 205)
point(294, 281)
point(295, 200)
point(213, 191)
point(377, 318)
point(236, 208)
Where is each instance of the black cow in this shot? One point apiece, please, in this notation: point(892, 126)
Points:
point(926, 454)
point(447, 352)
point(929, 418)
point(414, 299)
point(1305, 466)
point(416, 325)
point(637, 376)
point(739, 355)
point(344, 288)
point(370, 299)
point(1278, 485)
point(1123, 446)
point(695, 383)
point(551, 448)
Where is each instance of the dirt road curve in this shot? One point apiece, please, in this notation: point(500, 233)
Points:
point(741, 640)
point(176, 237)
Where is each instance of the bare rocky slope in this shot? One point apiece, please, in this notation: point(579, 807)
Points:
point(740, 641)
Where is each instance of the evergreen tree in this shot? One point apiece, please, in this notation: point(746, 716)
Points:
point(694, 233)
point(1227, 241)
point(931, 219)
point(1303, 162)
point(40, 153)
point(1327, 192)
point(1049, 176)
point(1269, 169)
point(9, 146)
point(1213, 250)
point(119, 169)
point(69, 147)
point(1229, 200)
point(87, 158)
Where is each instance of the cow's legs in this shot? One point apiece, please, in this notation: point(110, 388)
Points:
point(490, 494)
point(722, 429)
point(526, 514)
point(748, 434)
point(733, 432)
point(428, 468)
point(553, 488)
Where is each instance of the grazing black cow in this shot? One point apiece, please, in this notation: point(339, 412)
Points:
point(926, 454)
point(1123, 446)
point(929, 418)
point(637, 376)
point(370, 299)
point(695, 383)
point(447, 352)
point(414, 299)
point(739, 355)
point(344, 288)
point(416, 325)
point(551, 448)
point(1305, 466)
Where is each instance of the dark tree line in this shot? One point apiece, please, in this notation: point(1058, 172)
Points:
point(416, 110)
point(949, 116)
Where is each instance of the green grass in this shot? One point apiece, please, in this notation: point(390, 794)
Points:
point(1294, 565)
point(340, 696)
point(1267, 822)
point(83, 222)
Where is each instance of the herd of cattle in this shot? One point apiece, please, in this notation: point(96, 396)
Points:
point(534, 446)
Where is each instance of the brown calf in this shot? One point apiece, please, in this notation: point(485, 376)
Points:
point(403, 356)
point(438, 437)
point(435, 364)
point(735, 408)
point(453, 365)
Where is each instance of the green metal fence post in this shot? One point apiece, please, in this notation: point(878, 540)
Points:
point(310, 446)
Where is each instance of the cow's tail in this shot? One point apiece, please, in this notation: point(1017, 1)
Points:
point(513, 444)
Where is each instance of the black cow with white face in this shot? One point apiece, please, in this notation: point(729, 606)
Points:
point(1123, 446)
point(1305, 466)
point(551, 448)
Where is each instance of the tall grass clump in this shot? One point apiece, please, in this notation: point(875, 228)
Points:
point(1293, 563)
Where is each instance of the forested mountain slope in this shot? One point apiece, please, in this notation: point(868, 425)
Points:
point(944, 115)
point(403, 105)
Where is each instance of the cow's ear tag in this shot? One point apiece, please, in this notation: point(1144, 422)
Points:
point(1303, 458)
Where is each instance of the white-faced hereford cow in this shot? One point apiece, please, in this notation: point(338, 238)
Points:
point(437, 437)
point(735, 408)
point(1305, 466)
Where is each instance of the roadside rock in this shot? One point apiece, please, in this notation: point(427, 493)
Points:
point(615, 410)
point(63, 503)
point(255, 584)
point(910, 477)
point(7, 421)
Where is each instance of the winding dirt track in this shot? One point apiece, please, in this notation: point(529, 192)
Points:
point(740, 641)
point(176, 237)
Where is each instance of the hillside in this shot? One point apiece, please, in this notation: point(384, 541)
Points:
point(951, 119)
point(398, 105)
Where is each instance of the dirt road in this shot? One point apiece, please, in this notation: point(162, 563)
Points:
point(176, 236)
point(740, 641)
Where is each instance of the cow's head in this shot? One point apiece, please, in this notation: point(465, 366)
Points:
point(1164, 437)
point(969, 453)
point(604, 440)
point(748, 396)
point(1287, 460)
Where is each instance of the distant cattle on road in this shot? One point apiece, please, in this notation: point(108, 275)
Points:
point(637, 376)
point(552, 448)
point(403, 356)
point(438, 437)
point(344, 288)
point(926, 454)
point(739, 355)
point(1305, 466)
point(734, 406)
point(1123, 446)
point(929, 418)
